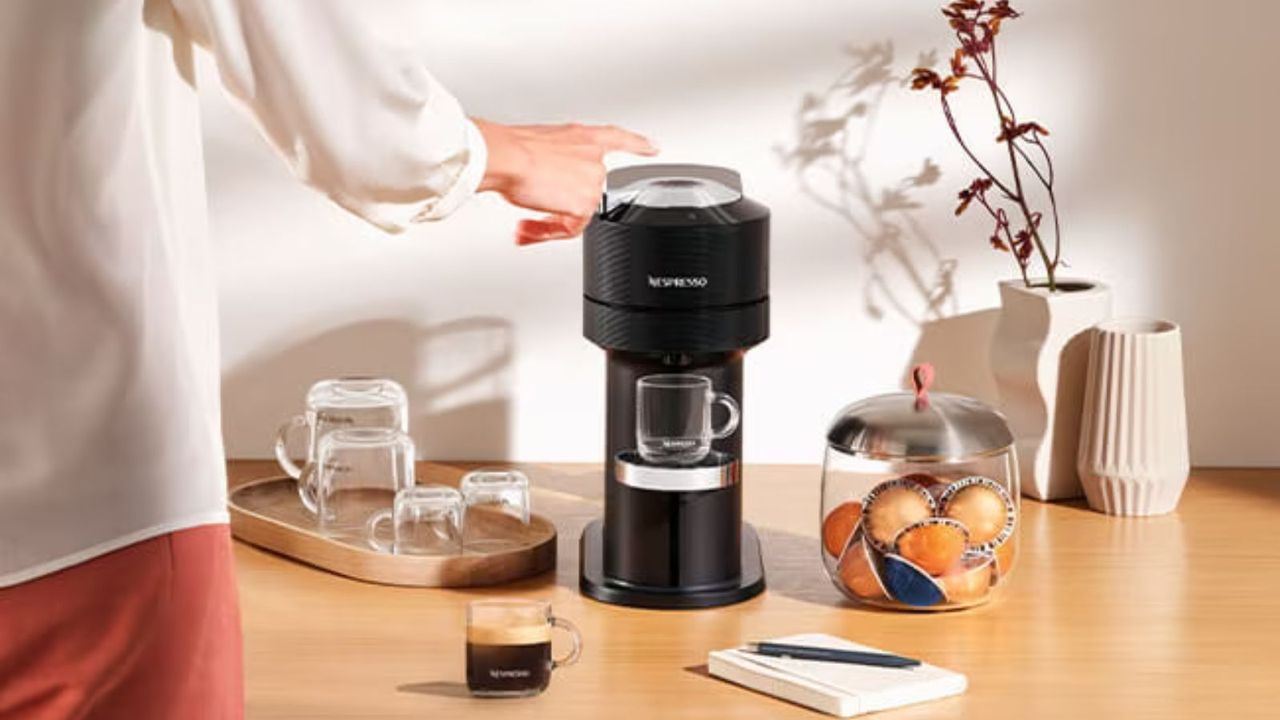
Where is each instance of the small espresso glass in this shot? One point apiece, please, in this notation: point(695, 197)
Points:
point(673, 418)
point(425, 520)
point(509, 647)
point(497, 509)
point(357, 472)
point(341, 403)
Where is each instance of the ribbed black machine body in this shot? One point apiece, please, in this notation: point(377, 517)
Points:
point(675, 282)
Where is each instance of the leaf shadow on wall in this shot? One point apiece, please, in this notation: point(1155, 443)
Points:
point(457, 376)
point(908, 276)
point(833, 146)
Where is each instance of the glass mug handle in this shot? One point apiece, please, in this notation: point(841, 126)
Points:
point(282, 446)
point(307, 489)
point(735, 414)
point(576, 651)
point(375, 521)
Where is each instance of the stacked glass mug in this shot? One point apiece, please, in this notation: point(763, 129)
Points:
point(358, 479)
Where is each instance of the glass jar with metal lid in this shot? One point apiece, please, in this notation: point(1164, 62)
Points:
point(919, 500)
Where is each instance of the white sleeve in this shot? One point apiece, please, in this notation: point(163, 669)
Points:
point(364, 123)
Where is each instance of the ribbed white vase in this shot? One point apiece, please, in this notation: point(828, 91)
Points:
point(1133, 436)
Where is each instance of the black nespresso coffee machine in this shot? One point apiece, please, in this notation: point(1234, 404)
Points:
point(675, 289)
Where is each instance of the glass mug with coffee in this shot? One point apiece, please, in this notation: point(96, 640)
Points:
point(347, 402)
point(673, 418)
point(509, 647)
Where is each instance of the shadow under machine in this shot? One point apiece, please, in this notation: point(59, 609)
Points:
point(675, 290)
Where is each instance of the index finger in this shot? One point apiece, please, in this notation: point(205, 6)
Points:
point(553, 227)
point(612, 137)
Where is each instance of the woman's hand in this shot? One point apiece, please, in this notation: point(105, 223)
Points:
point(554, 169)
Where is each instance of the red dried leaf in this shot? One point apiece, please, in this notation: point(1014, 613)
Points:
point(1010, 131)
point(974, 191)
point(999, 244)
point(922, 78)
point(972, 46)
point(1022, 244)
point(1001, 10)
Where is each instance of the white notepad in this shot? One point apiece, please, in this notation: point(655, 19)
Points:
point(839, 689)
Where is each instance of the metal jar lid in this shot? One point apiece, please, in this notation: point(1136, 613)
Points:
point(920, 426)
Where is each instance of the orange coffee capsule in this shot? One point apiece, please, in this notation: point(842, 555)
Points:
point(859, 573)
point(923, 479)
point(934, 544)
point(970, 580)
point(1004, 557)
point(839, 526)
point(934, 484)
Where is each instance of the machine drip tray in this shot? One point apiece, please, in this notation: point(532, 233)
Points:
point(594, 584)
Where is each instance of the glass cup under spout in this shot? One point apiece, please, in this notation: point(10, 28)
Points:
point(673, 418)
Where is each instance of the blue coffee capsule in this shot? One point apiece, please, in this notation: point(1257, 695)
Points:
point(910, 585)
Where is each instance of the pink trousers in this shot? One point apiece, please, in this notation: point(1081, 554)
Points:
point(149, 631)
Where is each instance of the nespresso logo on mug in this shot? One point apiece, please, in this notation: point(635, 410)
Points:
point(692, 281)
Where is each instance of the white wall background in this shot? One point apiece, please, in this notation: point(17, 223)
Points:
point(1162, 125)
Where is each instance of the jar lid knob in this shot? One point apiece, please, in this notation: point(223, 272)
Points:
point(921, 379)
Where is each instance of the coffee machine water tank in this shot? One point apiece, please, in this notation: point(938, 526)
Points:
point(675, 290)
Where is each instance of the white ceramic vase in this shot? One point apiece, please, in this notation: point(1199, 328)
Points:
point(1039, 357)
point(1133, 457)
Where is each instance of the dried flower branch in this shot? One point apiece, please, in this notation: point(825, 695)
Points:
point(976, 23)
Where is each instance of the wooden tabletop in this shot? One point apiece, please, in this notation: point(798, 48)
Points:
point(1166, 617)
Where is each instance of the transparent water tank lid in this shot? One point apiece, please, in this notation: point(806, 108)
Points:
point(672, 186)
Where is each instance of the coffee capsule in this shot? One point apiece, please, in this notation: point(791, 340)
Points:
point(839, 526)
point(1005, 554)
point(923, 479)
point(932, 483)
point(891, 506)
point(985, 508)
point(933, 544)
point(970, 580)
point(860, 569)
point(909, 584)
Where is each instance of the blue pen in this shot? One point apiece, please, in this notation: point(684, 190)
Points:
point(853, 657)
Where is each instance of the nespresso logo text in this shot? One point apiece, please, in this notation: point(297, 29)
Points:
point(692, 281)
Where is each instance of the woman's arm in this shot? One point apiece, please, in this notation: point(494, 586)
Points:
point(555, 169)
point(371, 128)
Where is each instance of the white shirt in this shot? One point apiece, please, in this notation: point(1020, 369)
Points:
point(109, 400)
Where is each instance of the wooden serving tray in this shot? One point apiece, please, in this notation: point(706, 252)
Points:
point(268, 514)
